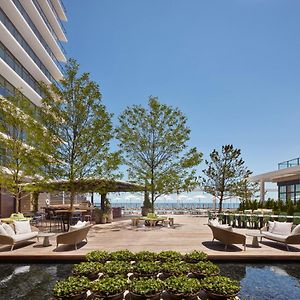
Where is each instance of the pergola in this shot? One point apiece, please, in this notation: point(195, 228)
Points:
point(85, 185)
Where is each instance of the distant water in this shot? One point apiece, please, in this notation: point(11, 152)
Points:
point(174, 205)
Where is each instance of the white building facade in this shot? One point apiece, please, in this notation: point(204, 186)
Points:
point(31, 51)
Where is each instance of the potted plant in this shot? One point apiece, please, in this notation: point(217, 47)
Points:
point(146, 256)
point(111, 288)
point(220, 287)
point(174, 268)
point(182, 287)
point(204, 268)
point(146, 288)
point(88, 269)
point(169, 255)
point(114, 268)
point(99, 216)
point(97, 255)
point(146, 269)
point(72, 288)
point(122, 255)
point(195, 256)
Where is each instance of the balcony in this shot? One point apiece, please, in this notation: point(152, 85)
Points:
point(289, 163)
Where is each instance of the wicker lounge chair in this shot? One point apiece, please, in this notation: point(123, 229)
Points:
point(227, 237)
point(73, 237)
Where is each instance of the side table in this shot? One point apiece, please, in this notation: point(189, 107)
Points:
point(255, 236)
point(46, 236)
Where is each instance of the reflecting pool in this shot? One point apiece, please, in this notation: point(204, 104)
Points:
point(258, 281)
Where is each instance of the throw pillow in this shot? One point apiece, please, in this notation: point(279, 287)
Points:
point(213, 222)
point(296, 230)
point(282, 228)
point(8, 230)
point(271, 226)
point(226, 227)
point(2, 230)
point(22, 227)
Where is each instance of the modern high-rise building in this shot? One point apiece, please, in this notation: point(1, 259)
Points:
point(31, 51)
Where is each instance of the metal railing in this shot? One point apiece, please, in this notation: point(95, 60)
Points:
point(289, 163)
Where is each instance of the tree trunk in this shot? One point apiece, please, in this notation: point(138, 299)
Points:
point(92, 198)
point(72, 196)
point(103, 198)
point(220, 203)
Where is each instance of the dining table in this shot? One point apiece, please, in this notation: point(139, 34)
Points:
point(67, 216)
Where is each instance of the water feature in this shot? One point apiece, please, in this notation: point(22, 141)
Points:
point(278, 281)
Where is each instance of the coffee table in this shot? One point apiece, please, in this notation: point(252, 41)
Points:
point(255, 236)
point(46, 236)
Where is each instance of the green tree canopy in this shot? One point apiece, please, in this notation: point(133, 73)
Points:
point(22, 154)
point(154, 142)
point(225, 174)
point(75, 114)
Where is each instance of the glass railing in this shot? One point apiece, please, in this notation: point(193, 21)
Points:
point(37, 33)
point(289, 163)
point(13, 30)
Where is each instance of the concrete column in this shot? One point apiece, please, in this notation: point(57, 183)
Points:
point(262, 191)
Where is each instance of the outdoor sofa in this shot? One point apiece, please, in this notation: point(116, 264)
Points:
point(225, 235)
point(282, 232)
point(74, 236)
point(16, 232)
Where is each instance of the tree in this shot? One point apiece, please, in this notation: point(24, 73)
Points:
point(154, 142)
point(225, 174)
point(74, 113)
point(246, 190)
point(22, 155)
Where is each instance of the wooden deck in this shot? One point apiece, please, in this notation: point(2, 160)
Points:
point(188, 233)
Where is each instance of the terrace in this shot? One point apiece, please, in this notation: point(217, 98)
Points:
point(188, 233)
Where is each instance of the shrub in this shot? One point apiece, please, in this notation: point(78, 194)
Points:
point(182, 285)
point(146, 268)
point(71, 286)
point(146, 286)
point(87, 268)
point(109, 286)
point(146, 256)
point(169, 256)
point(175, 268)
point(195, 256)
point(206, 268)
point(113, 268)
point(99, 256)
point(220, 285)
point(122, 255)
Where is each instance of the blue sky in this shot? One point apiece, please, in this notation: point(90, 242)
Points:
point(231, 66)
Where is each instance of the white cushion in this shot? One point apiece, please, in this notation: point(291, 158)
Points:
point(25, 236)
point(2, 230)
point(214, 222)
point(225, 226)
point(271, 226)
point(282, 228)
point(296, 230)
point(22, 227)
point(8, 230)
point(275, 237)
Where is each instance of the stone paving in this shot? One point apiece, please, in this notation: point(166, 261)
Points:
point(188, 233)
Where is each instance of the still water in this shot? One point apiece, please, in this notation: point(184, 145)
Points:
point(258, 281)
